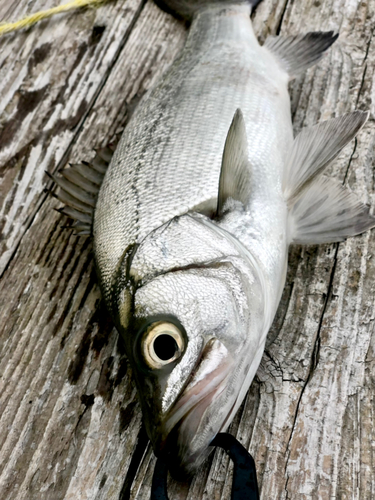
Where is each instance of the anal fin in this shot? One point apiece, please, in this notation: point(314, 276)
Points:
point(79, 186)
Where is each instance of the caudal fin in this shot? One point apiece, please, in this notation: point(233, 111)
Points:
point(327, 212)
point(321, 210)
point(186, 9)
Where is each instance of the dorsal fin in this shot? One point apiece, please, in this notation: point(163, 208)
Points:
point(235, 175)
point(297, 53)
point(79, 186)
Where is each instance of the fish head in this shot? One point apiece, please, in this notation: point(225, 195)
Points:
point(192, 336)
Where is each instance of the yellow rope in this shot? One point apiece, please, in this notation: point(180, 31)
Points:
point(43, 14)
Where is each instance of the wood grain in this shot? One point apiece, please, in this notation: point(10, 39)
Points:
point(69, 415)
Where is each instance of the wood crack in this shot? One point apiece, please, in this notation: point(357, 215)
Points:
point(138, 454)
point(278, 28)
point(315, 357)
point(316, 350)
point(350, 161)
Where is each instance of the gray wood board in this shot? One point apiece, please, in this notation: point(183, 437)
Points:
point(69, 414)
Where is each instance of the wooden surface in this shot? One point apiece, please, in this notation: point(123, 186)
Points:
point(70, 421)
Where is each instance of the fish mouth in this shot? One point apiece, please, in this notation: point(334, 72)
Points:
point(186, 432)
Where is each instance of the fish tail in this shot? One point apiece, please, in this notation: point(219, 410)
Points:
point(322, 210)
point(186, 9)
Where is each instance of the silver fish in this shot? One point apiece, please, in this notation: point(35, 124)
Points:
point(204, 194)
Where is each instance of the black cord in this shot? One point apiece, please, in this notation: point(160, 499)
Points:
point(244, 486)
point(159, 481)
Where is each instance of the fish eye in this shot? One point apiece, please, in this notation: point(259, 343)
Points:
point(162, 343)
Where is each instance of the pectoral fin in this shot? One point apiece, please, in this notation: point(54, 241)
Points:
point(79, 187)
point(235, 175)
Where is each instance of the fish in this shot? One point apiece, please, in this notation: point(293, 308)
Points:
point(193, 213)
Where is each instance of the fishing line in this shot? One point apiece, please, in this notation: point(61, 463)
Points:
point(44, 14)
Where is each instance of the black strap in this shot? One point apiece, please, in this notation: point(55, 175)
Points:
point(159, 481)
point(244, 486)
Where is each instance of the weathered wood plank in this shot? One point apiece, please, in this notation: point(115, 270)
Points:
point(68, 411)
point(50, 79)
point(69, 416)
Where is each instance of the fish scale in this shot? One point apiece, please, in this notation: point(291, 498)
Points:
point(169, 158)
